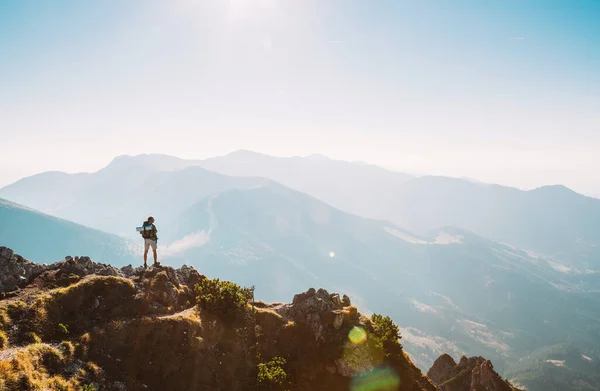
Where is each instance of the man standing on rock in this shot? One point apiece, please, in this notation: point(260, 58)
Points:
point(150, 239)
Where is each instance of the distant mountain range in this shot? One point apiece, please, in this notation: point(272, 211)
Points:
point(353, 187)
point(452, 290)
point(553, 219)
point(122, 195)
point(49, 239)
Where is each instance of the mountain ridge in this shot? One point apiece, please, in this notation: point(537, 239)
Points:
point(317, 342)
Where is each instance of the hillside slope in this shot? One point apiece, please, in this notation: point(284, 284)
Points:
point(557, 368)
point(48, 239)
point(133, 329)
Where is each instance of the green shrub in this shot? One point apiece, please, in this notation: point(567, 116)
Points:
point(271, 375)
point(63, 328)
point(387, 334)
point(222, 298)
point(88, 387)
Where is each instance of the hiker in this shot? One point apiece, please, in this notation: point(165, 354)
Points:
point(150, 239)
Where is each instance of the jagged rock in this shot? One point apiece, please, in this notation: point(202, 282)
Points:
point(442, 369)
point(346, 301)
point(83, 266)
point(335, 298)
point(16, 271)
point(338, 320)
point(128, 271)
point(470, 374)
point(315, 309)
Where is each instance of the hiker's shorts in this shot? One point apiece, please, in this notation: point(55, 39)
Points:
point(149, 243)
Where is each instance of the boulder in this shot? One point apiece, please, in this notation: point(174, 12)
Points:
point(16, 271)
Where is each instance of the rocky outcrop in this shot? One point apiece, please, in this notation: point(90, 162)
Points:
point(316, 310)
point(470, 374)
point(443, 369)
point(17, 272)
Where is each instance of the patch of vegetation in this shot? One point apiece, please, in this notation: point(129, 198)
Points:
point(4, 319)
point(387, 333)
point(3, 340)
point(222, 298)
point(35, 368)
point(67, 348)
point(63, 328)
point(31, 337)
point(16, 309)
point(271, 375)
point(74, 305)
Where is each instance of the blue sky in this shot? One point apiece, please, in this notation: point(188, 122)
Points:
point(503, 91)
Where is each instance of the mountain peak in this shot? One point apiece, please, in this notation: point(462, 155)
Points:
point(473, 373)
point(554, 189)
point(151, 161)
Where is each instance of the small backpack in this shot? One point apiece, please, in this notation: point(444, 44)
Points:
point(147, 230)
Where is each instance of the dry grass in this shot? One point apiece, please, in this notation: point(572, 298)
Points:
point(68, 349)
point(44, 367)
point(15, 309)
point(4, 319)
point(31, 369)
point(80, 306)
point(269, 320)
point(3, 340)
point(31, 338)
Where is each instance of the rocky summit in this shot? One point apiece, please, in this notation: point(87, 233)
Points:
point(470, 374)
point(81, 325)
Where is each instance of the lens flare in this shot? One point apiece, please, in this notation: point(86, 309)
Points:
point(331, 254)
point(357, 335)
point(380, 379)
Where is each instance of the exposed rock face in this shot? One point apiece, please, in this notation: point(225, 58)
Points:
point(443, 369)
point(316, 310)
point(16, 271)
point(471, 374)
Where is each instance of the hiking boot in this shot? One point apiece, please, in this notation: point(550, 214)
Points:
point(145, 265)
point(156, 264)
